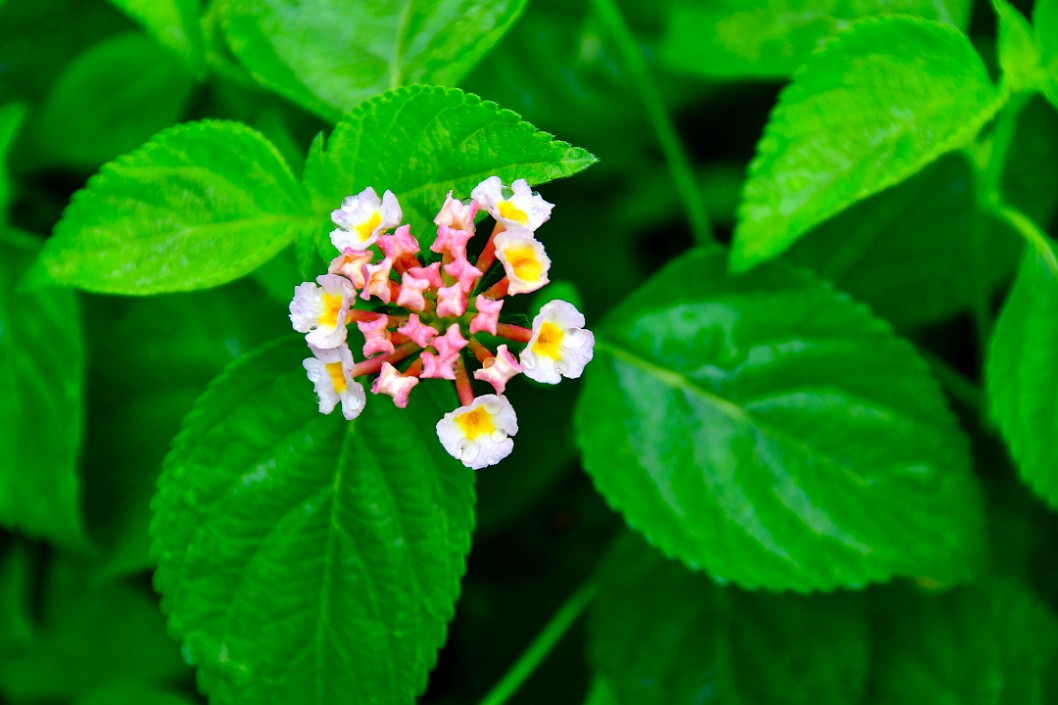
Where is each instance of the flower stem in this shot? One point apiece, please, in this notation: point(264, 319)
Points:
point(463, 386)
point(513, 332)
point(497, 290)
point(488, 255)
point(480, 351)
point(542, 645)
point(370, 367)
point(679, 165)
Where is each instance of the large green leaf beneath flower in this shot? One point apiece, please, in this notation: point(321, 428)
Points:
point(768, 430)
point(199, 205)
point(865, 113)
point(122, 91)
point(994, 644)
point(174, 24)
point(303, 558)
point(661, 634)
point(42, 386)
point(92, 637)
point(422, 142)
point(771, 38)
point(1022, 358)
point(357, 49)
point(908, 251)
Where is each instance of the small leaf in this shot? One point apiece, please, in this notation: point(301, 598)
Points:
point(983, 645)
point(174, 24)
point(1019, 51)
point(661, 634)
point(328, 55)
point(1022, 358)
point(878, 103)
point(199, 205)
point(121, 91)
point(771, 432)
point(304, 558)
point(42, 387)
point(421, 142)
point(1045, 20)
point(772, 38)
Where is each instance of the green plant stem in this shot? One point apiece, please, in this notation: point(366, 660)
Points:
point(1034, 236)
point(675, 155)
point(954, 383)
point(538, 650)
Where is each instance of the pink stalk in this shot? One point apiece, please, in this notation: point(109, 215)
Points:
point(355, 315)
point(463, 388)
point(499, 289)
point(512, 332)
point(480, 351)
point(372, 366)
point(488, 255)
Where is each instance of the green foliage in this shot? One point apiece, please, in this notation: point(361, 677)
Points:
point(131, 694)
point(737, 422)
point(771, 38)
point(1045, 20)
point(10, 120)
point(93, 636)
point(122, 90)
point(303, 558)
point(422, 142)
point(174, 24)
point(199, 205)
point(661, 634)
point(1019, 51)
point(358, 48)
point(1021, 363)
point(16, 629)
point(41, 384)
point(862, 115)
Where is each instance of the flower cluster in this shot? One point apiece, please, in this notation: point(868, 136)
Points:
point(427, 314)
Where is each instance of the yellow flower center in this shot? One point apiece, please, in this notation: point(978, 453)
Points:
point(549, 341)
point(475, 423)
point(523, 261)
point(509, 211)
point(334, 369)
point(331, 306)
point(365, 228)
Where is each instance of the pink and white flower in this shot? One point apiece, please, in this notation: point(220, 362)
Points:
point(330, 371)
point(363, 218)
point(320, 310)
point(517, 207)
point(479, 434)
point(560, 346)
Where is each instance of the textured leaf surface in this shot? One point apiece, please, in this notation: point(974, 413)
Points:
point(173, 23)
point(1019, 51)
point(422, 142)
point(303, 558)
point(42, 385)
point(360, 48)
point(995, 644)
point(878, 103)
point(1022, 360)
point(769, 431)
point(199, 205)
point(907, 252)
point(660, 634)
point(772, 38)
point(122, 90)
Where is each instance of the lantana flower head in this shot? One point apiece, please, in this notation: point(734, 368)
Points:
point(436, 312)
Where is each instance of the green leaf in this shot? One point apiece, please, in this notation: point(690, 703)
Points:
point(1019, 51)
point(1022, 357)
point(660, 634)
point(771, 432)
point(93, 636)
point(10, 120)
point(199, 205)
point(731, 39)
point(132, 694)
point(907, 252)
point(984, 645)
point(1045, 20)
point(122, 91)
point(16, 588)
point(41, 383)
point(866, 112)
point(304, 558)
point(421, 142)
point(328, 55)
point(174, 24)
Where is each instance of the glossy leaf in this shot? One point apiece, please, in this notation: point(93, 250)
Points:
point(907, 252)
point(422, 142)
point(1022, 358)
point(199, 205)
point(304, 558)
point(42, 385)
point(1045, 20)
point(771, 38)
point(360, 48)
point(174, 24)
point(661, 634)
point(986, 645)
point(769, 431)
point(865, 113)
point(1019, 51)
point(122, 90)
point(10, 120)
